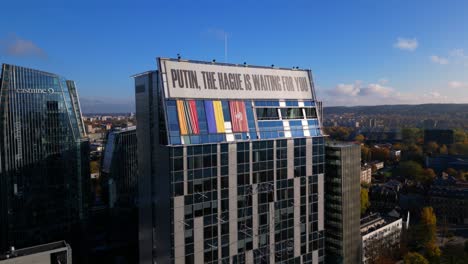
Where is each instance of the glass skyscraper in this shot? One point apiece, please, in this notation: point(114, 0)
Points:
point(44, 166)
point(230, 163)
point(119, 179)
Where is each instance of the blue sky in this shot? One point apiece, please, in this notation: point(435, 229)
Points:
point(361, 52)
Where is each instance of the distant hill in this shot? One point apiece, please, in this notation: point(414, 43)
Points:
point(413, 110)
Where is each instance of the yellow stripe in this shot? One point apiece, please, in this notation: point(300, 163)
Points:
point(182, 119)
point(218, 109)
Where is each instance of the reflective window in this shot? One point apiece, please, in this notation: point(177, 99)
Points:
point(267, 114)
point(292, 113)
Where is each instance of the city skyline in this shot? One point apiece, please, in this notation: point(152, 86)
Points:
point(361, 53)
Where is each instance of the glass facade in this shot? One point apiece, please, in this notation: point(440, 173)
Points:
point(229, 181)
point(44, 166)
point(119, 178)
point(342, 203)
point(208, 121)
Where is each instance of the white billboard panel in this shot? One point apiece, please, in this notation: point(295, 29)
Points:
point(183, 79)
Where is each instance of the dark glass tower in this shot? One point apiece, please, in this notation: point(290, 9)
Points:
point(229, 176)
point(342, 203)
point(119, 178)
point(44, 166)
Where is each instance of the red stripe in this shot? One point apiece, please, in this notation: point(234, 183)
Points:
point(194, 117)
point(238, 116)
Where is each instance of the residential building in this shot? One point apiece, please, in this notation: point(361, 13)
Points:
point(342, 203)
point(440, 136)
point(366, 174)
point(441, 163)
point(449, 198)
point(44, 160)
point(51, 253)
point(230, 164)
point(380, 237)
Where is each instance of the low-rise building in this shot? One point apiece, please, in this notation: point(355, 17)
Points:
point(380, 236)
point(366, 174)
point(449, 198)
point(378, 165)
point(52, 253)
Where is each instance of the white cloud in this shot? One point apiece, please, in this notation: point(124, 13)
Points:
point(439, 60)
point(378, 90)
point(16, 46)
point(346, 89)
point(457, 84)
point(406, 44)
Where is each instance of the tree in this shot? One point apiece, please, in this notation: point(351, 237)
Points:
point(411, 135)
point(459, 149)
point(364, 200)
point(428, 225)
point(359, 138)
point(365, 153)
point(94, 167)
point(451, 171)
point(459, 136)
point(410, 169)
point(382, 154)
point(443, 149)
point(413, 152)
point(428, 229)
point(432, 147)
point(432, 252)
point(415, 258)
point(428, 176)
point(461, 175)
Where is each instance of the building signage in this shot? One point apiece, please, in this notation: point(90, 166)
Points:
point(198, 80)
point(35, 91)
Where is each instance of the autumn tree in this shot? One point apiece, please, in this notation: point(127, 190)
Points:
point(94, 167)
point(458, 149)
point(415, 258)
point(428, 234)
point(443, 149)
point(462, 176)
point(359, 138)
point(427, 176)
point(459, 136)
point(364, 200)
point(451, 171)
point(365, 153)
point(382, 154)
point(432, 147)
point(428, 225)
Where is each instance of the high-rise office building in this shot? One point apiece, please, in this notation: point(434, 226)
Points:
point(342, 203)
point(119, 179)
point(44, 165)
point(231, 164)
